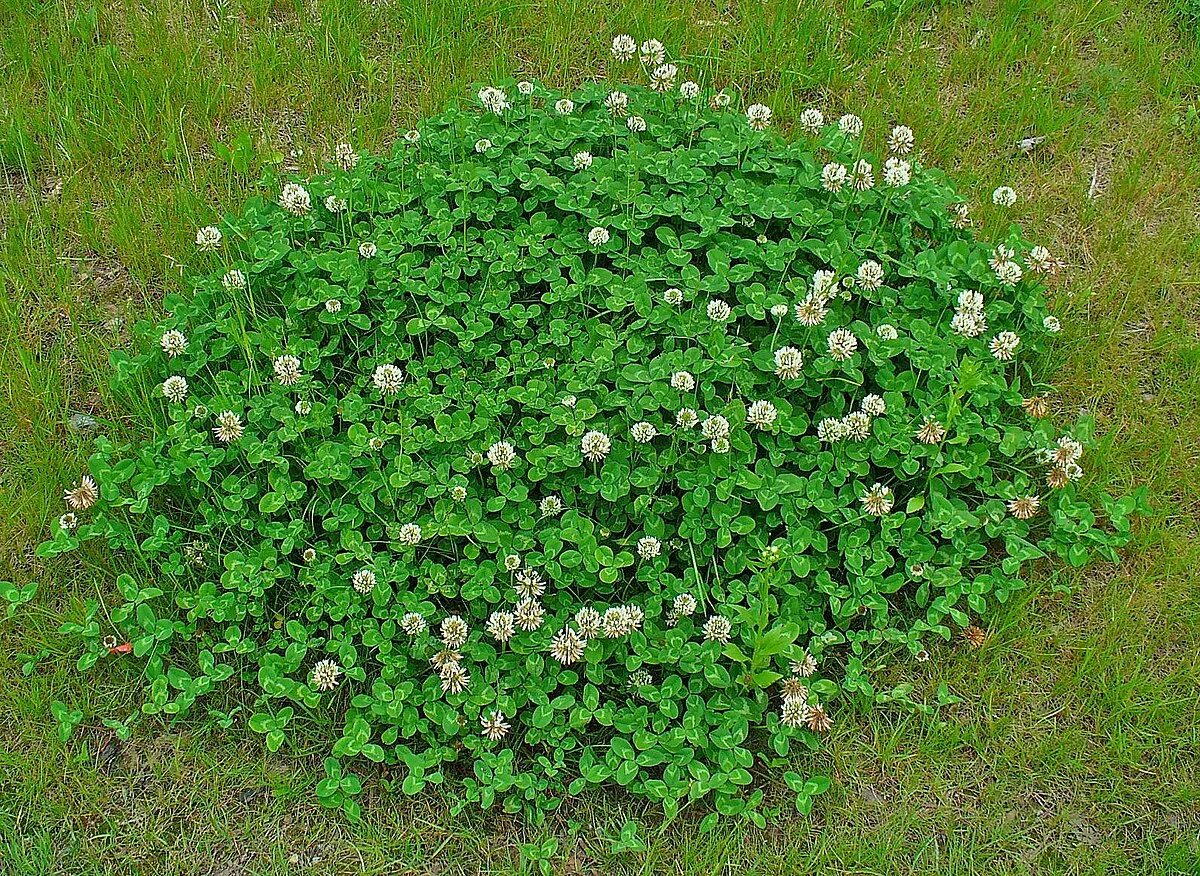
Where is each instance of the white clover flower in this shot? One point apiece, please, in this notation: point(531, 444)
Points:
point(529, 584)
point(931, 431)
point(199, 412)
point(715, 426)
point(364, 581)
point(960, 215)
point(589, 622)
point(850, 124)
point(794, 713)
point(717, 629)
point(830, 429)
point(662, 77)
point(595, 446)
point(689, 90)
point(779, 311)
point(229, 427)
point(834, 176)
point(409, 534)
point(870, 275)
point(388, 378)
point(597, 237)
point(234, 281)
point(720, 445)
point(334, 204)
point(842, 344)
point(173, 343)
point(494, 726)
point(901, 140)
point(483, 144)
point(502, 455)
point(653, 53)
point(1004, 346)
point(720, 101)
point(856, 426)
point(687, 418)
point(683, 381)
point(367, 250)
point(788, 363)
point(287, 370)
point(897, 172)
point(512, 562)
point(969, 323)
point(581, 160)
point(636, 124)
point(295, 199)
point(525, 87)
point(1040, 261)
point(615, 622)
point(325, 675)
point(718, 310)
point(175, 389)
point(1067, 450)
point(761, 414)
point(345, 156)
point(569, 401)
point(1004, 196)
point(873, 405)
point(649, 547)
point(758, 116)
point(564, 106)
point(501, 625)
point(862, 175)
point(623, 47)
point(811, 311)
point(1024, 507)
point(567, 646)
point(530, 615)
point(303, 408)
point(673, 296)
point(333, 305)
point(970, 299)
point(877, 501)
point(643, 432)
point(208, 238)
point(1052, 324)
point(458, 493)
point(1008, 273)
point(616, 102)
point(494, 100)
point(887, 332)
point(684, 605)
point(812, 120)
point(454, 631)
point(824, 284)
point(412, 624)
point(455, 679)
point(412, 137)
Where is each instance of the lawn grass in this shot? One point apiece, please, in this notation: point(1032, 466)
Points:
point(1074, 747)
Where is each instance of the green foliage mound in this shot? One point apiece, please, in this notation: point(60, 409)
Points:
point(582, 441)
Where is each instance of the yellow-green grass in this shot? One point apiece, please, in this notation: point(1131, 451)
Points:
point(1074, 748)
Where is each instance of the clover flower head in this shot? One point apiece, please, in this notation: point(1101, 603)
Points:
point(662, 77)
point(501, 626)
point(581, 160)
point(325, 675)
point(287, 370)
point(624, 47)
point(388, 378)
point(877, 501)
point(870, 275)
point(175, 389)
point(1004, 346)
point(897, 172)
point(525, 87)
point(761, 414)
point(502, 455)
point(887, 332)
point(567, 646)
point(494, 99)
point(812, 120)
point(208, 238)
point(687, 418)
point(636, 124)
point(873, 405)
point(673, 296)
point(689, 90)
point(363, 581)
point(595, 446)
point(1004, 196)
point(789, 363)
point(530, 615)
point(597, 237)
point(717, 629)
point(229, 427)
point(862, 175)
point(345, 157)
point(294, 198)
point(173, 343)
point(589, 622)
point(850, 124)
point(616, 102)
point(900, 141)
point(454, 632)
point(233, 280)
point(493, 725)
point(649, 547)
point(758, 116)
point(482, 145)
point(409, 534)
point(653, 53)
point(683, 381)
point(834, 176)
point(550, 506)
point(931, 431)
point(643, 432)
point(715, 426)
point(842, 344)
point(564, 106)
point(334, 204)
point(718, 310)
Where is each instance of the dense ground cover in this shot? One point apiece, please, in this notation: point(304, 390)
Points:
point(1070, 748)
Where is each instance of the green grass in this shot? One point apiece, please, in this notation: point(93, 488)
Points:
point(1074, 747)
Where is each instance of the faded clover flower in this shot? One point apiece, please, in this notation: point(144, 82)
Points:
point(818, 718)
point(1036, 406)
point(1024, 507)
point(229, 427)
point(502, 455)
point(877, 501)
point(295, 199)
point(595, 446)
point(789, 363)
point(175, 389)
point(82, 495)
point(1040, 261)
point(388, 378)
